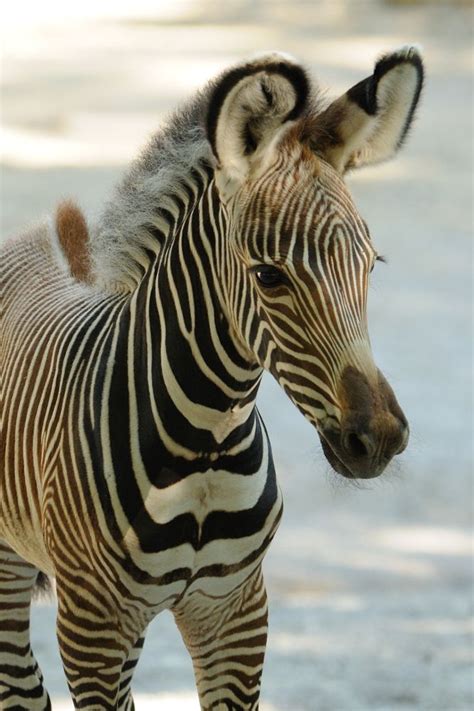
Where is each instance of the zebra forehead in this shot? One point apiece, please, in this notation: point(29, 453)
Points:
point(300, 195)
point(297, 173)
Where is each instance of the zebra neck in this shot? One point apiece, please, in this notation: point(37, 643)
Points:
point(191, 390)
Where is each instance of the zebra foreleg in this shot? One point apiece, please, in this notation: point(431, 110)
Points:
point(21, 681)
point(125, 700)
point(95, 648)
point(226, 639)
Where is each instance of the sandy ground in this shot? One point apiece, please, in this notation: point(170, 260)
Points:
point(370, 587)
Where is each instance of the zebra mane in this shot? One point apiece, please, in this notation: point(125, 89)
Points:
point(136, 219)
point(131, 224)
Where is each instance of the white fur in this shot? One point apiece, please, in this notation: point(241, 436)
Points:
point(246, 102)
point(395, 94)
point(372, 139)
point(117, 242)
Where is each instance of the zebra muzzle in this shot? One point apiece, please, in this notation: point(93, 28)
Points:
point(373, 428)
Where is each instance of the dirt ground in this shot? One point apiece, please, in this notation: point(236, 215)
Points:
point(370, 587)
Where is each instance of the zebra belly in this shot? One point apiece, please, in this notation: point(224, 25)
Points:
point(28, 543)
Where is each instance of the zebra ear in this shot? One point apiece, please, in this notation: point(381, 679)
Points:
point(370, 122)
point(248, 109)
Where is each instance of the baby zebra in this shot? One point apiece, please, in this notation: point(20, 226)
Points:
point(136, 468)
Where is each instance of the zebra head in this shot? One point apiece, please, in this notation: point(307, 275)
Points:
point(297, 254)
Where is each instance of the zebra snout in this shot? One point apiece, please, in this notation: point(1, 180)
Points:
point(372, 430)
point(367, 449)
point(362, 450)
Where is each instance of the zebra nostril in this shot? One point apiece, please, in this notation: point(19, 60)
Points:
point(403, 439)
point(358, 445)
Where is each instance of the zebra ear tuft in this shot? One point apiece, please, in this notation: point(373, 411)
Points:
point(369, 123)
point(248, 108)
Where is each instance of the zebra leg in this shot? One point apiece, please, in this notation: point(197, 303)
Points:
point(94, 646)
point(125, 700)
point(21, 681)
point(226, 639)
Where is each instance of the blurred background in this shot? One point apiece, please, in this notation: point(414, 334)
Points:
point(370, 586)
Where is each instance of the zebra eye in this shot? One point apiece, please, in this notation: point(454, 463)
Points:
point(268, 276)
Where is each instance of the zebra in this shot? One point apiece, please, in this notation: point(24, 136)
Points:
point(137, 471)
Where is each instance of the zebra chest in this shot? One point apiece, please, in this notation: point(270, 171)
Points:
point(210, 521)
point(202, 493)
point(198, 509)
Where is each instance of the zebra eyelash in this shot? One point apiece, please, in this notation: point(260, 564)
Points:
point(378, 258)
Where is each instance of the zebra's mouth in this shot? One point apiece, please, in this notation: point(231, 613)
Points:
point(365, 467)
point(336, 463)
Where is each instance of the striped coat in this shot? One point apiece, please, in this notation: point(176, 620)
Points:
point(136, 468)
